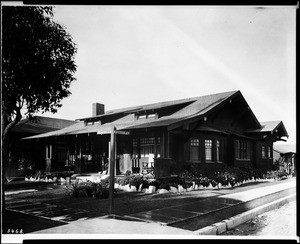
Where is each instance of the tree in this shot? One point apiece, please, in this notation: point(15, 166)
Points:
point(38, 66)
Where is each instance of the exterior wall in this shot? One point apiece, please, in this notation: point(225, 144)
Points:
point(246, 162)
point(261, 162)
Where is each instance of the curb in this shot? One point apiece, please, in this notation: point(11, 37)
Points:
point(224, 225)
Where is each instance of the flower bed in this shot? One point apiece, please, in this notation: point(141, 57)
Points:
point(189, 181)
point(186, 181)
point(60, 177)
point(89, 189)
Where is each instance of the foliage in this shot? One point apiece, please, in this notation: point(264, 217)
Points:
point(227, 175)
point(37, 67)
point(131, 179)
point(89, 189)
point(37, 60)
point(276, 174)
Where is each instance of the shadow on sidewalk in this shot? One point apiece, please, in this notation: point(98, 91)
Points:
point(26, 223)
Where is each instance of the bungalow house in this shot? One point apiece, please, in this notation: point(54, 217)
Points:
point(285, 156)
point(24, 155)
point(205, 132)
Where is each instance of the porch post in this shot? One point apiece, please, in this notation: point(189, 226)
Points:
point(112, 160)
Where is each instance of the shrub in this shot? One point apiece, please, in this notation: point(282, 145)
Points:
point(135, 180)
point(204, 181)
point(89, 189)
point(155, 183)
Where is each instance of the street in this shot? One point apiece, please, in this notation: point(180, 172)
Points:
point(277, 222)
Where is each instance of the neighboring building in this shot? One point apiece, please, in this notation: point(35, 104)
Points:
point(24, 155)
point(206, 132)
point(285, 157)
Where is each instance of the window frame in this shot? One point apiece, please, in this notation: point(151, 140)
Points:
point(219, 150)
point(269, 153)
point(194, 145)
point(242, 150)
point(209, 147)
point(263, 152)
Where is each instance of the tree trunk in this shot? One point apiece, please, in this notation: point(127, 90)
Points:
point(7, 126)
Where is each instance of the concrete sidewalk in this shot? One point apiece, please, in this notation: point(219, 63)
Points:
point(114, 225)
point(159, 222)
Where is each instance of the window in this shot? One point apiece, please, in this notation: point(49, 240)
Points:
point(146, 116)
point(151, 116)
point(263, 152)
point(89, 122)
point(149, 147)
point(208, 150)
point(158, 147)
point(134, 142)
point(48, 151)
point(269, 152)
point(194, 142)
point(194, 149)
point(219, 151)
point(242, 150)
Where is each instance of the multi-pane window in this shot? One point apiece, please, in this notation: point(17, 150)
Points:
point(194, 142)
point(158, 147)
point(151, 116)
point(48, 151)
point(134, 147)
point(149, 147)
point(194, 149)
point(146, 116)
point(147, 141)
point(269, 152)
point(212, 149)
point(219, 150)
point(89, 146)
point(263, 152)
point(242, 150)
point(208, 150)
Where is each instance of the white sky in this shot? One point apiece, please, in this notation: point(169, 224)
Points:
point(134, 55)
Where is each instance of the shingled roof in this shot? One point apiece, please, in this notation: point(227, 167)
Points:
point(270, 127)
point(191, 108)
point(40, 124)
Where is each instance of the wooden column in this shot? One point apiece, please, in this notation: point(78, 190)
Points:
point(112, 160)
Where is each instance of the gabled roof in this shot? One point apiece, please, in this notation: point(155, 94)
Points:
point(202, 100)
point(199, 107)
point(192, 108)
point(40, 124)
point(270, 127)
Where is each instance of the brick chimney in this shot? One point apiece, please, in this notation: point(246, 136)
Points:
point(98, 109)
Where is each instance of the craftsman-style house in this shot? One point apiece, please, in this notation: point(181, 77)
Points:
point(206, 132)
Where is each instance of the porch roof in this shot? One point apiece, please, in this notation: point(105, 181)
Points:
point(41, 124)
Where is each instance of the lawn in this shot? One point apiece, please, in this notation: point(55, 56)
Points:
point(124, 202)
